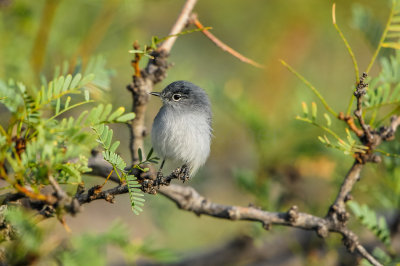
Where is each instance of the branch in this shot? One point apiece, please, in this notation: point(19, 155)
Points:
point(180, 23)
point(194, 20)
point(338, 209)
point(188, 199)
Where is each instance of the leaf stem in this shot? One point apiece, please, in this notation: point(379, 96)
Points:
point(313, 89)
point(350, 51)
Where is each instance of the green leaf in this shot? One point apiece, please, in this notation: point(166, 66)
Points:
point(67, 83)
point(107, 142)
point(149, 154)
point(140, 155)
point(305, 109)
point(106, 112)
point(66, 105)
point(328, 119)
point(75, 81)
point(87, 95)
point(87, 79)
point(135, 194)
point(58, 105)
point(313, 111)
point(114, 146)
point(126, 117)
point(116, 114)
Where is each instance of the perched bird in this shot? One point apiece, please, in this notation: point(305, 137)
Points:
point(182, 128)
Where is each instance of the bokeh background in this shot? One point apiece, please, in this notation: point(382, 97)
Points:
point(260, 153)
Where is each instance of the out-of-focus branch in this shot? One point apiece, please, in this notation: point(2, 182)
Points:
point(97, 30)
point(194, 20)
point(39, 46)
point(180, 23)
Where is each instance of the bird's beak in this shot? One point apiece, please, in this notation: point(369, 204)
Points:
point(156, 94)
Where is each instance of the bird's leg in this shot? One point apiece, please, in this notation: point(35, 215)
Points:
point(160, 175)
point(184, 173)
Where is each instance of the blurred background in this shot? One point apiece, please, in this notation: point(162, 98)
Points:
point(260, 153)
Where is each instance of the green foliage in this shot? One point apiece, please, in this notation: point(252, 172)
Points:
point(26, 236)
point(377, 224)
point(92, 247)
point(384, 89)
point(40, 140)
point(30, 244)
point(104, 137)
point(135, 194)
point(350, 146)
point(364, 21)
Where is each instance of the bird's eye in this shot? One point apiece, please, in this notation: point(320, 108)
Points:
point(176, 97)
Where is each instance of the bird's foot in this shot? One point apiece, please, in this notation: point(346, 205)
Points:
point(159, 179)
point(184, 173)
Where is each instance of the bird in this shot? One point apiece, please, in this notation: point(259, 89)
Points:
point(182, 129)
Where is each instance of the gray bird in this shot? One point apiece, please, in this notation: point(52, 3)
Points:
point(182, 128)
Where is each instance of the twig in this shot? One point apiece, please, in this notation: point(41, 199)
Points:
point(97, 31)
point(135, 62)
point(42, 37)
point(194, 20)
point(359, 93)
point(338, 209)
point(312, 88)
point(350, 122)
point(180, 23)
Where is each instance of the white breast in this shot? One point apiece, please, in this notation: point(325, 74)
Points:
point(182, 137)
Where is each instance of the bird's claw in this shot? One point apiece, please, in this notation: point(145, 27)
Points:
point(184, 173)
point(160, 178)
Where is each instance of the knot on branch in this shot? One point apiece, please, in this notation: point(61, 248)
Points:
point(109, 197)
point(350, 242)
point(322, 231)
point(234, 214)
point(387, 133)
point(93, 192)
point(339, 213)
point(348, 197)
point(252, 205)
point(374, 158)
point(149, 186)
point(293, 214)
